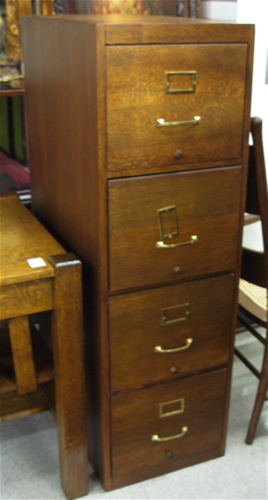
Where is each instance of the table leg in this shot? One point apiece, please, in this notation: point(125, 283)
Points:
point(70, 393)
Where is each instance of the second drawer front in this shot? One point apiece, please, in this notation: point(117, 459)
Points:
point(171, 209)
point(187, 416)
point(159, 334)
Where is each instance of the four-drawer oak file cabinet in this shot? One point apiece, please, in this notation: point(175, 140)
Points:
point(138, 142)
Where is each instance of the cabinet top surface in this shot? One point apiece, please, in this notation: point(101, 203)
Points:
point(153, 29)
point(121, 19)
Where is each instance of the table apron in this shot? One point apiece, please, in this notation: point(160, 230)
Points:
point(26, 298)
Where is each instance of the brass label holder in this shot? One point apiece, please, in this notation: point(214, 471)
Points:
point(177, 404)
point(160, 214)
point(168, 310)
point(190, 89)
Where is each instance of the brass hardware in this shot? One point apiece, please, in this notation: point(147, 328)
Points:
point(176, 270)
point(163, 235)
point(155, 437)
point(160, 244)
point(173, 370)
point(163, 414)
point(168, 74)
point(165, 311)
point(161, 122)
point(158, 348)
point(160, 214)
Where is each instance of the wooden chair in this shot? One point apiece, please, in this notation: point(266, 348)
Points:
point(254, 271)
point(40, 285)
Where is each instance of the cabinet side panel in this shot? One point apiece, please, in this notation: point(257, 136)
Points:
point(62, 134)
point(65, 112)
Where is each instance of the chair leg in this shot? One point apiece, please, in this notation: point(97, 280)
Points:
point(261, 396)
point(70, 393)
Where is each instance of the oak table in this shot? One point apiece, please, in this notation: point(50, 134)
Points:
point(38, 276)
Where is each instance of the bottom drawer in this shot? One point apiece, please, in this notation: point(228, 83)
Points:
point(164, 423)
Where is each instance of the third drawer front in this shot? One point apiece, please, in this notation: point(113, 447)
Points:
point(165, 423)
point(160, 334)
point(168, 227)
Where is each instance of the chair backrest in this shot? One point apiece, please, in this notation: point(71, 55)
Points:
point(255, 264)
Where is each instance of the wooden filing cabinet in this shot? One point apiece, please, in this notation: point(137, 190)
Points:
point(138, 142)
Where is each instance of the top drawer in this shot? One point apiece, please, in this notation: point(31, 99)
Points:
point(174, 83)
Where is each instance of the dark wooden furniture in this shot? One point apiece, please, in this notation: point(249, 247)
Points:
point(138, 144)
point(26, 368)
point(253, 287)
point(9, 95)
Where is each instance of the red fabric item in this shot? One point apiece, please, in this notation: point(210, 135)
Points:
point(13, 172)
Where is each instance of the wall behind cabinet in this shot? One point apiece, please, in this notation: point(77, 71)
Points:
point(246, 11)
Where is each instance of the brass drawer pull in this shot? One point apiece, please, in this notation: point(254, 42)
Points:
point(161, 244)
point(189, 342)
point(161, 122)
point(155, 437)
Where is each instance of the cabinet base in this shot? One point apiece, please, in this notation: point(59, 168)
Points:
point(172, 466)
